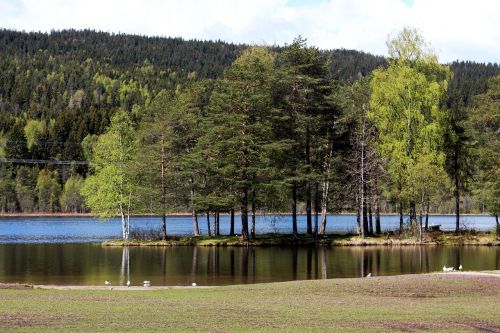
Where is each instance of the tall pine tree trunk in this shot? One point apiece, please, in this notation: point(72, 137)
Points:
point(163, 195)
point(498, 225)
point(217, 223)
point(253, 214)
point(231, 227)
point(358, 214)
point(378, 229)
point(325, 188)
point(196, 228)
point(413, 213)
point(457, 203)
point(308, 185)
point(208, 224)
point(401, 221)
point(427, 215)
point(364, 211)
point(308, 209)
point(324, 205)
point(244, 213)
point(369, 206)
point(294, 211)
point(194, 214)
point(316, 210)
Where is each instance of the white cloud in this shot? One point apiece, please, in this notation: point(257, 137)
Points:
point(456, 29)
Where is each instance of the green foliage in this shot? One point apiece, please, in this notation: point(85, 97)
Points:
point(25, 187)
point(33, 130)
point(71, 200)
point(484, 124)
point(108, 191)
point(406, 110)
point(7, 190)
point(48, 190)
point(271, 120)
point(88, 144)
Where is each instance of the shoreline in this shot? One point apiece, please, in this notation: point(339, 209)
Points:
point(188, 214)
point(22, 286)
point(435, 238)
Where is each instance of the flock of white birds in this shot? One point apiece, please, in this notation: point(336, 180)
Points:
point(148, 283)
point(145, 283)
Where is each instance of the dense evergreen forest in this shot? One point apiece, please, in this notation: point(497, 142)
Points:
point(212, 127)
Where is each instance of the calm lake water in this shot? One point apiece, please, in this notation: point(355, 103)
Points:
point(91, 264)
point(87, 229)
point(66, 251)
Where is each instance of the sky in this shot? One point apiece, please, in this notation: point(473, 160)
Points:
point(456, 29)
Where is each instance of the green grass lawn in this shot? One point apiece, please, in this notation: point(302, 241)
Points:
point(434, 302)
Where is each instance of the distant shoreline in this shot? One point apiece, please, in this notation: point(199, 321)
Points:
point(187, 214)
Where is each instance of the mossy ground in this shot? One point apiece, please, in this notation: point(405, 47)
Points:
point(430, 238)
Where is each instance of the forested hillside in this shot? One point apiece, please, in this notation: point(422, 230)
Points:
point(59, 91)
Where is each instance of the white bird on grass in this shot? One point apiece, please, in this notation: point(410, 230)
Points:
point(128, 283)
point(448, 269)
point(369, 275)
point(193, 284)
point(460, 268)
point(107, 283)
point(146, 283)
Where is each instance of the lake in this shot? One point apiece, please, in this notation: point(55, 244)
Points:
point(66, 251)
point(92, 264)
point(88, 229)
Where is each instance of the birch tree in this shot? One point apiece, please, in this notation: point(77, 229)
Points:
point(406, 107)
point(108, 190)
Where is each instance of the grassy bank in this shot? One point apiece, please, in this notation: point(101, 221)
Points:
point(433, 302)
point(391, 239)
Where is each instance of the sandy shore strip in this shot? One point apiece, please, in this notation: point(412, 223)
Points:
point(495, 274)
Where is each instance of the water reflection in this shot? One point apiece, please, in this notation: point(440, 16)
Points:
point(88, 264)
point(125, 268)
